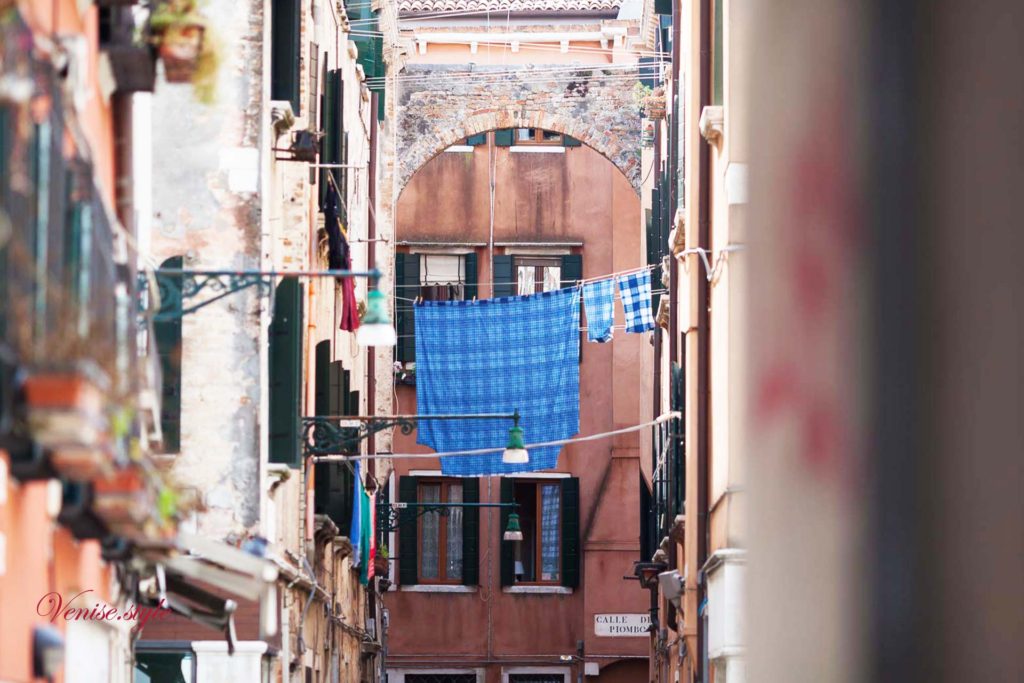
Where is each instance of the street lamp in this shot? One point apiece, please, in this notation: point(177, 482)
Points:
point(515, 452)
point(513, 532)
point(376, 329)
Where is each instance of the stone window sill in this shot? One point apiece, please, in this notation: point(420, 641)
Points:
point(537, 590)
point(461, 148)
point(437, 588)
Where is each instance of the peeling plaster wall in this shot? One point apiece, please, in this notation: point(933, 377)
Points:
point(436, 111)
point(206, 207)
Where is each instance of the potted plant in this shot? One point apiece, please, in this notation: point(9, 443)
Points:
point(654, 104)
point(186, 45)
point(380, 561)
point(640, 93)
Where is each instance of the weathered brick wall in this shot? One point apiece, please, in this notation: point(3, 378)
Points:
point(438, 109)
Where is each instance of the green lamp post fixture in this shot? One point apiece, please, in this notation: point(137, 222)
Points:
point(375, 329)
point(515, 452)
point(513, 532)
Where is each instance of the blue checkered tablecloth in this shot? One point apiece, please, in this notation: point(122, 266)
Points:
point(635, 292)
point(494, 356)
point(599, 302)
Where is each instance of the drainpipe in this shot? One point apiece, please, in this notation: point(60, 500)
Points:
point(371, 259)
point(703, 327)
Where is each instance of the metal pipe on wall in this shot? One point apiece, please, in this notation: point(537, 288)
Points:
point(703, 330)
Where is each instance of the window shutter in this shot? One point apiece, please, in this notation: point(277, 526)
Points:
point(323, 378)
point(503, 137)
point(336, 388)
point(508, 550)
point(504, 276)
point(572, 273)
point(472, 278)
point(570, 141)
point(333, 493)
point(408, 572)
point(649, 71)
point(314, 75)
point(471, 533)
point(479, 139)
point(407, 286)
point(572, 269)
point(286, 372)
point(168, 346)
point(284, 51)
point(571, 532)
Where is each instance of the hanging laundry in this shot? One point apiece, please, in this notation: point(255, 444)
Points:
point(366, 537)
point(494, 356)
point(356, 531)
point(599, 302)
point(635, 292)
point(339, 257)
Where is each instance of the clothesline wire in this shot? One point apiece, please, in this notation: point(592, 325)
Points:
point(403, 298)
point(486, 451)
point(629, 271)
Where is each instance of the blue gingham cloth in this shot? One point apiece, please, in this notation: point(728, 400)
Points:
point(494, 356)
point(635, 292)
point(599, 302)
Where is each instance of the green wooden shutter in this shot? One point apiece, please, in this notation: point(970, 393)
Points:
point(503, 137)
point(332, 494)
point(570, 141)
point(471, 533)
point(286, 372)
point(472, 286)
point(407, 286)
point(337, 388)
point(571, 532)
point(168, 346)
point(408, 572)
point(504, 276)
point(323, 378)
point(284, 51)
point(508, 550)
point(475, 140)
point(572, 273)
point(572, 269)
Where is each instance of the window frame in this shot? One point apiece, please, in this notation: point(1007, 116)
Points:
point(539, 263)
point(538, 520)
point(537, 137)
point(442, 533)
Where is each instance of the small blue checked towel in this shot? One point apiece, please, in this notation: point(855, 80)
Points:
point(494, 356)
point(635, 292)
point(599, 302)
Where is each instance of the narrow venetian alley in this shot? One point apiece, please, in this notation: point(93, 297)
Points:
point(546, 341)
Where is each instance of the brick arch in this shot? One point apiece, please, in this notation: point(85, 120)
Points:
point(600, 113)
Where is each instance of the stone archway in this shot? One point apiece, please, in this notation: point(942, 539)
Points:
point(435, 111)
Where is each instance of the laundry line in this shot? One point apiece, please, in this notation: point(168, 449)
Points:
point(412, 301)
point(606, 276)
point(485, 451)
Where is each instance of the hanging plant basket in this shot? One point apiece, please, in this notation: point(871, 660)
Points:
point(654, 105)
point(180, 48)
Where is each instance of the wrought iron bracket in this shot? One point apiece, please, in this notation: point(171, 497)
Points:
point(178, 288)
point(390, 515)
point(323, 437)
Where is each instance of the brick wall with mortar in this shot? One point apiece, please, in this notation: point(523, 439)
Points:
point(437, 110)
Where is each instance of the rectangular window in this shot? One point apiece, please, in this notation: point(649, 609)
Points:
point(284, 51)
point(440, 542)
point(443, 277)
point(440, 678)
point(538, 558)
point(164, 667)
point(536, 678)
point(538, 274)
point(536, 136)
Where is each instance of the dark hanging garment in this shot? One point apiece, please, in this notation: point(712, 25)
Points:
point(339, 257)
point(336, 246)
